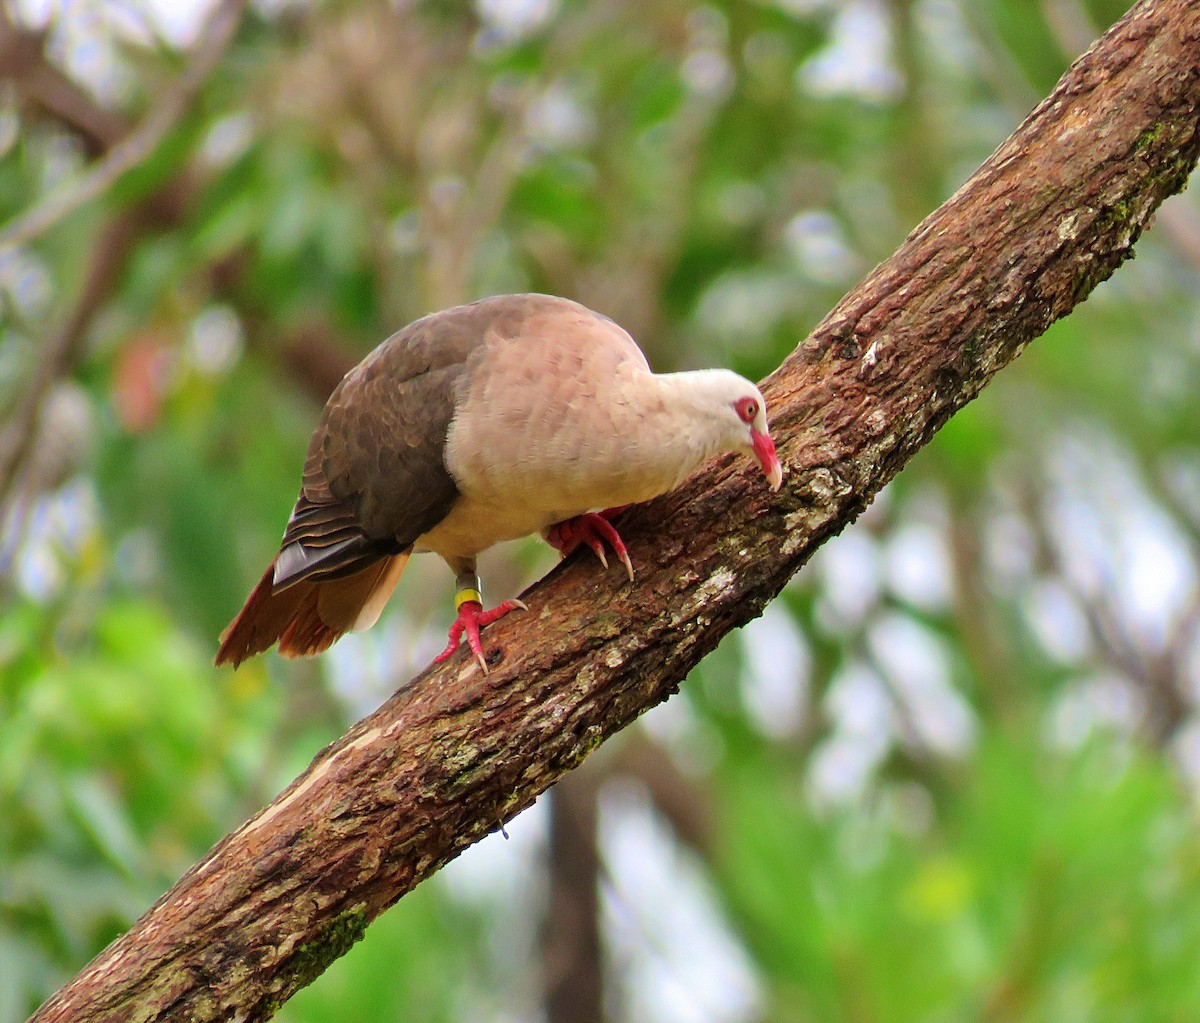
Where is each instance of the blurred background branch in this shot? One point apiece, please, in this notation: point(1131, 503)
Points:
point(131, 149)
point(22, 60)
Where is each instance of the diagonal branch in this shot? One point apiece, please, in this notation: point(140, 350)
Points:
point(449, 758)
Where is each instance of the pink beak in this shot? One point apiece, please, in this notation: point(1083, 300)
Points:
point(764, 451)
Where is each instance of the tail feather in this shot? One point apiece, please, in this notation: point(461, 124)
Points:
point(355, 603)
point(309, 616)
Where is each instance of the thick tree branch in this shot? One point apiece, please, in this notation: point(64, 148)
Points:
point(1054, 211)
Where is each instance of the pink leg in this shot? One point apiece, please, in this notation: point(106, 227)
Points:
point(471, 618)
point(594, 530)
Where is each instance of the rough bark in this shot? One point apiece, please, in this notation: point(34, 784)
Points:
point(454, 754)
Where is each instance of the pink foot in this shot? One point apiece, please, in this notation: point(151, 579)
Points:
point(594, 530)
point(471, 618)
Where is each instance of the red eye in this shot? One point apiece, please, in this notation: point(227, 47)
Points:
point(747, 409)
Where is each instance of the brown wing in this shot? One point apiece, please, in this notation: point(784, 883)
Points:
point(375, 477)
point(374, 480)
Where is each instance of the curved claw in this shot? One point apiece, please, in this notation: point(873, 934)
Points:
point(594, 530)
point(471, 618)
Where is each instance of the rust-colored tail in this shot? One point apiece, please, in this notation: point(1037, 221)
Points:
point(308, 617)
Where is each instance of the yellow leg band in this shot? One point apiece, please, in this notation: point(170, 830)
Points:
point(465, 594)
